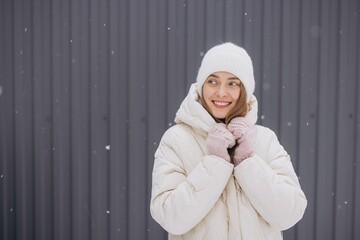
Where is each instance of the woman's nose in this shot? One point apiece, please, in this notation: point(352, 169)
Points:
point(222, 91)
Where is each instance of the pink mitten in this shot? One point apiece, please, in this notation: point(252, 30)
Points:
point(219, 140)
point(245, 134)
point(238, 126)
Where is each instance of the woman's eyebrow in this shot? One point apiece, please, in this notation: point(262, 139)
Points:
point(213, 75)
point(233, 78)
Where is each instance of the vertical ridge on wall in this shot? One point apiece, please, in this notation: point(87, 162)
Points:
point(42, 120)
point(355, 234)
point(356, 213)
point(308, 111)
point(61, 118)
point(7, 124)
point(280, 66)
point(315, 33)
point(80, 123)
point(336, 117)
point(327, 118)
point(157, 96)
point(119, 120)
point(24, 199)
point(289, 98)
point(147, 113)
point(137, 118)
point(336, 129)
point(347, 99)
point(99, 120)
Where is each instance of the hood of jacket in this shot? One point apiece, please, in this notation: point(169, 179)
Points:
point(192, 113)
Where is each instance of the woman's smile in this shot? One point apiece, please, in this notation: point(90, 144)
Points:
point(221, 104)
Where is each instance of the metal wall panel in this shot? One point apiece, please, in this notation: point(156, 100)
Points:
point(87, 88)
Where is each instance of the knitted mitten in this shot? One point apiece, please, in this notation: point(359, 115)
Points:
point(219, 140)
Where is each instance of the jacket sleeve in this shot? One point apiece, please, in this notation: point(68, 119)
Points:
point(180, 201)
point(272, 186)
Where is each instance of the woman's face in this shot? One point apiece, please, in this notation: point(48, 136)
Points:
point(221, 90)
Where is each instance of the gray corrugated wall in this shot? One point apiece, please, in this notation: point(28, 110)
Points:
point(88, 88)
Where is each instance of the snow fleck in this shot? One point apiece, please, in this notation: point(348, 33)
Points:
point(104, 24)
point(245, 13)
point(170, 124)
point(346, 202)
point(333, 193)
point(307, 124)
point(108, 212)
point(266, 86)
point(155, 143)
point(289, 124)
point(53, 148)
point(202, 54)
point(168, 28)
point(262, 117)
point(2, 176)
point(283, 87)
point(11, 209)
point(25, 29)
point(107, 147)
point(95, 86)
point(1, 90)
point(250, 20)
point(16, 111)
point(112, 52)
point(71, 40)
point(184, 5)
point(21, 52)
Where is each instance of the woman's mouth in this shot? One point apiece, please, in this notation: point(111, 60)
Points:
point(221, 104)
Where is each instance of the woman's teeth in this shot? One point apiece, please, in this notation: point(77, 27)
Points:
point(221, 103)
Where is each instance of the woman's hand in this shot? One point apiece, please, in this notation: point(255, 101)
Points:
point(219, 140)
point(244, 133)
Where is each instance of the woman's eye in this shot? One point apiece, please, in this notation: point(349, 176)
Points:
point(211, 81)
point(234, 84)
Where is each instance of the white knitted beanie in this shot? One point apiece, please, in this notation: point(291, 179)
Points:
point(228, 57)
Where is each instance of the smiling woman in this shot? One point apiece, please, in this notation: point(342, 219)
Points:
point(218, 175)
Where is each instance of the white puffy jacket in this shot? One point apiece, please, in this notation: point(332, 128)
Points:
point(199, 196)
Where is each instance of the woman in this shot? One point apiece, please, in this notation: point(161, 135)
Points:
point(216, 174)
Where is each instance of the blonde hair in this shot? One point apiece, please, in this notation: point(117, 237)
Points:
point(241, 108)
